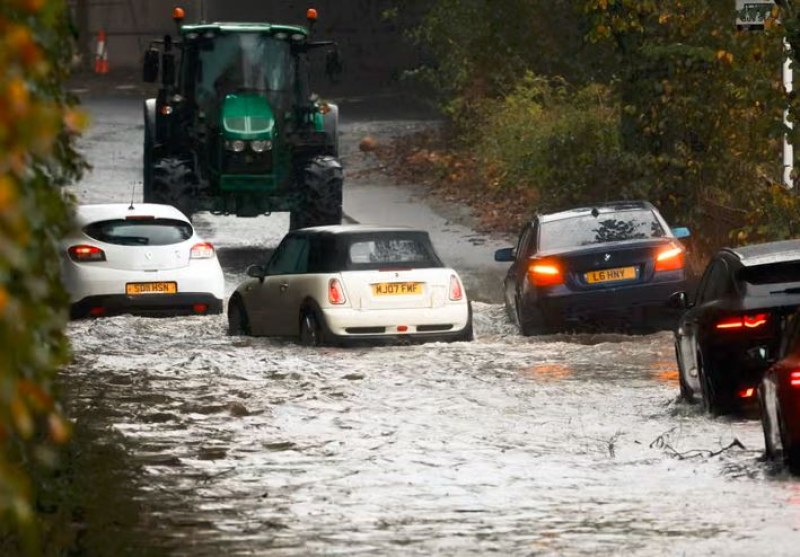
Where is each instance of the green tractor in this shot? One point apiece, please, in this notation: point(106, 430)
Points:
point(235, 128)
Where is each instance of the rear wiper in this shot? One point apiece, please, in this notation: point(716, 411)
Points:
point(795, 290)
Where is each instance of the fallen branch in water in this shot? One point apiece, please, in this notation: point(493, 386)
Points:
point(661, 442)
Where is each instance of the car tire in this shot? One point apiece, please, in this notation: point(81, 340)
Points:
point(710, 397)
point(310, 329)
point(321, 200)
point(791, 451)
point(686, 392)
point(467, 334)
point(528, 325)
point(772, 452)
point(174, 183)
point(238, 320)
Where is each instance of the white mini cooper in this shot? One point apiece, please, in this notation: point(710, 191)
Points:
point(334, 284)
point(143, 259)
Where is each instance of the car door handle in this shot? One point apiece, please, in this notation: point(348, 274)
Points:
point(284, 286)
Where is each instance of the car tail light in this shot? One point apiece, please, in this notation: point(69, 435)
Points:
point(747, 393)
point(794, 379)
point(336, 292)
point(670, 259)
point(744, 322)
point(456, 291)
point(545, 272)
point(203, 250)
point(84, 253)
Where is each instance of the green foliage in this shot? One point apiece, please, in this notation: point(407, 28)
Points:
point(37, 130)
point(664, 100)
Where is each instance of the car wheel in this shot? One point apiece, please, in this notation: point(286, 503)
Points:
point(711, 402)
point(528, 325)
point(771, 450)
point(238, 320)
point(687, 393)
point(791, 451)
point(310, 330)
point(468, 333)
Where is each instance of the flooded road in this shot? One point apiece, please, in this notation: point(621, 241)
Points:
point(562, 445)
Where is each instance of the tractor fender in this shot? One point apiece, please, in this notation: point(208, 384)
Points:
point(330, 123)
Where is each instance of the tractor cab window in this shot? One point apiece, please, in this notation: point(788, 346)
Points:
point(245, 62)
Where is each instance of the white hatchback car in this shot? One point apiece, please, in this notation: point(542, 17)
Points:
point(143, 259)
point(334, 284)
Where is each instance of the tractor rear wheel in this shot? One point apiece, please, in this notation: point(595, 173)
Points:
point(174, 183)
point(321, 202)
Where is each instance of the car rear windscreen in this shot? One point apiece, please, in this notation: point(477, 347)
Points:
point(771, 274)
point(145, 232)
point(378, 252)
point(585, 230)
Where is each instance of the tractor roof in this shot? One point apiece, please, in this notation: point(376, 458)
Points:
point(242, 28)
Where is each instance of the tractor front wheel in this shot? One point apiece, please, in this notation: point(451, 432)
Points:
point(174, 183)
point(321, 201)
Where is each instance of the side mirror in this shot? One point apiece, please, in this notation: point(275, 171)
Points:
point(256, 271)
point(679, 300)
point(505, 255)
point(152, 58)
point(333, 65)
point(681, 232)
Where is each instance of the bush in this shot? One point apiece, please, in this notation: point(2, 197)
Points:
point(37, 130)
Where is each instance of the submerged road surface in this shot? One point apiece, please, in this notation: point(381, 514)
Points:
point(564, 445)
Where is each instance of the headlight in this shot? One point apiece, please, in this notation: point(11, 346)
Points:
point(260, 145)
point(237, 145)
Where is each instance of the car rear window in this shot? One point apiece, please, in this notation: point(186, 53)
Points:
point(376, 252)
point(772, 273)
point(586, 230)
point(149, 232)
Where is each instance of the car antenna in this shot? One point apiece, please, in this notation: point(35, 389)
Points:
point(133, 192)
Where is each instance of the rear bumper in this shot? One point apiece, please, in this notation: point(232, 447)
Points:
point(423, 324)
point(644, 303)
point(154, 304)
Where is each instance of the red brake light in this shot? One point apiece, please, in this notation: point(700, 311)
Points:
point(456, 292)
point(747, 393)
point(670, 259)
point(336, 292)
point(202, 251)
point(744, 322)
point(86, 253)
point(794, 379)
point(545, 272)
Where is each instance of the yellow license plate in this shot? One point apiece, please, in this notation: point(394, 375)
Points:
point(137, 288)
point(611, 275)
point(396, 288)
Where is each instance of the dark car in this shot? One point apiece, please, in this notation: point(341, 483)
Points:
point(730, 332)
point(612, 265)
point(779, 394)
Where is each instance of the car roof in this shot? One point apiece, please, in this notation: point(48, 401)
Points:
point(601, 208)
point(768, 252)
point(88, 214)
point(347, 229)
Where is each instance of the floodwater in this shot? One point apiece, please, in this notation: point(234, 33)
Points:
point(562, 445)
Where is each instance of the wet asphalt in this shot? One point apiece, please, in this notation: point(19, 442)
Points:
point(556, 445)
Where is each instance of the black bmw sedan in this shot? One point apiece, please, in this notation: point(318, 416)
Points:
point(612, 265)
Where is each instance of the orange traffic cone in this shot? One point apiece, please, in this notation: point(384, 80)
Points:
point(101, 58)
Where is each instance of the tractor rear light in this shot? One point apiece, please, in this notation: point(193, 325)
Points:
point(336, 292)
point(545, 272)
point(203, 250)
point(670, 259)
point(753, 321)
point(166, 110)
point(86, 254)
point(456, 291)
